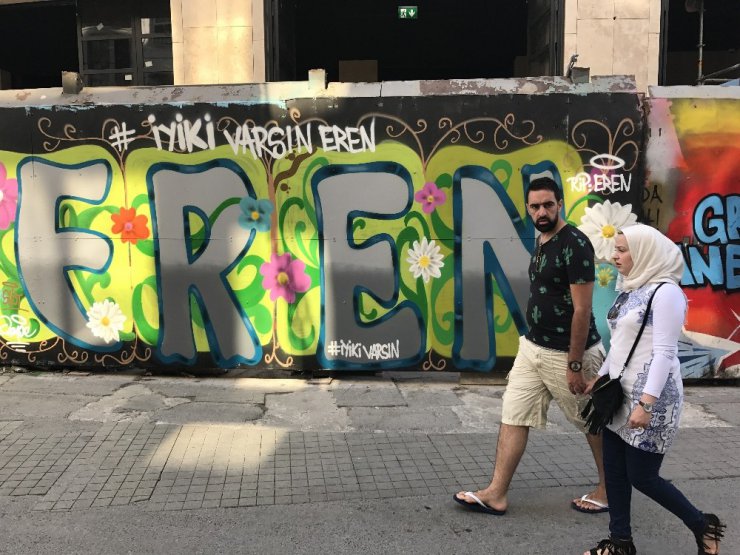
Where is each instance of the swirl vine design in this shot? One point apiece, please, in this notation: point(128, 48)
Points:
point(619, 143)
point(500, 132)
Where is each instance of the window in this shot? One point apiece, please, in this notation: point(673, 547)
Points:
point(126, 42)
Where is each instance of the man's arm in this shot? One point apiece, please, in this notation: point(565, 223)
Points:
point(581, 294)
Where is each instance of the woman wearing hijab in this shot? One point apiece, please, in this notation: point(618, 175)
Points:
point(644, 427)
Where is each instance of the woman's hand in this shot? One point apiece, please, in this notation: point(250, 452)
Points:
point(639, 418)
point(590, 386)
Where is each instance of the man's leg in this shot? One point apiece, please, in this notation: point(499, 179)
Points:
point(512, 441)
point(524, 405)
point(599, 494)
point(593, 358)
point(557, 383)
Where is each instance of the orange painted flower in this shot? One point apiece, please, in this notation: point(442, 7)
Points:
point(129, 225)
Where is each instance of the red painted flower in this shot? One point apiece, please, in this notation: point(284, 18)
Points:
point(129, 225)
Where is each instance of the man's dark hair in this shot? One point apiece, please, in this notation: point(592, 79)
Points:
point(545, 183)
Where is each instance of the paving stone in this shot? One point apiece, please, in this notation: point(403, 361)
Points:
point(349, 393)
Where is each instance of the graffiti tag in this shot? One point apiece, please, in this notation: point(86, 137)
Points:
point(274, 141)
point(351, 349)
point(603, 179)
point(15, 325)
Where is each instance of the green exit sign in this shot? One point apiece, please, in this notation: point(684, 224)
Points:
point(408, 12)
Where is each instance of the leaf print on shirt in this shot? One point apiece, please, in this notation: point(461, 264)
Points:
point(560, 329)
point(558, 263)
point(543, 262)
point(567, 253)
point(536, 313)
point(543, 290)
point(567, 298)
point(558, 311)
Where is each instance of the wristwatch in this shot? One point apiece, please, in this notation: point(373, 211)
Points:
point(575, 366)
point(647, 407)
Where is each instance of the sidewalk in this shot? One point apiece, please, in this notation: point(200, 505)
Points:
point(79, 447)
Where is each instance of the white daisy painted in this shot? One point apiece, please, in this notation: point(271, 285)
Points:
point(105, 319)
point(601, 223)
point(424, 259)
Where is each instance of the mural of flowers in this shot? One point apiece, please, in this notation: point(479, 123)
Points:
point(425, 260)
point(129, 225)
point(605, 274)
point(430, 197)
point(8, 198)
point(105, 319)
point(284, 277)
point(255, 213)
point(601, 223)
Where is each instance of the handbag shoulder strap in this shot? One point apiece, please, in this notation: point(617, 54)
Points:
point(642, 328)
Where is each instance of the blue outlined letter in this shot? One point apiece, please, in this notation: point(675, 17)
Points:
point(47, 251)
point(377, 190)
point(175, 192)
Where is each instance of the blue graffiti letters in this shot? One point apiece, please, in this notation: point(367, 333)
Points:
point(49, 249)
point(717, 260)
point(176, 192)
point(350, 269)
point(483, 210)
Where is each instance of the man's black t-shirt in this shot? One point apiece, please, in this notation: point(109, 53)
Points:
point(567, 258)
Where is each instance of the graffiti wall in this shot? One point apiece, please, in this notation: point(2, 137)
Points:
point(693, 195)
point(338, 233)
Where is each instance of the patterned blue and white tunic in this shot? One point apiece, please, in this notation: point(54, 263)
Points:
point(654, 367)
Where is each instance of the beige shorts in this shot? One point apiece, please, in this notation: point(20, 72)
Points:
point(538, 376)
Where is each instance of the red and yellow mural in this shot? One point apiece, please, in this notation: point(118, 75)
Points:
point(692, 194)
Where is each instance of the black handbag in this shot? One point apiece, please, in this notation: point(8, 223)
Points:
point(607, 395)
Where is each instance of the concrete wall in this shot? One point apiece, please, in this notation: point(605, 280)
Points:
point(282, 225)
point(614, 37)
point(217, 41)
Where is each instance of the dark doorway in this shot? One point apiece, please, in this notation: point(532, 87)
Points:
point(37, 42)
point(367, 40)
point(125, 42)
point(721, 39)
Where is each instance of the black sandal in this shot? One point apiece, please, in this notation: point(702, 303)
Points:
point(615, 547)
point(713, 530)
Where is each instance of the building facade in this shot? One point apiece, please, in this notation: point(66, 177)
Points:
point(197, 42)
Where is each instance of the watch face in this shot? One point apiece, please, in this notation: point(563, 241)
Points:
point(575, 366)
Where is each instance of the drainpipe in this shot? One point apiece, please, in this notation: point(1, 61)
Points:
point(700, 63)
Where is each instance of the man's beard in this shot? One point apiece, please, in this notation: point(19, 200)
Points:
point(544, 227)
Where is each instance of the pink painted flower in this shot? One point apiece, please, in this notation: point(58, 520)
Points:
point(284, 276)
point(430, 197)
point(8, 198)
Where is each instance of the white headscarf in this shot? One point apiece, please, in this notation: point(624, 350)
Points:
point(656, 258)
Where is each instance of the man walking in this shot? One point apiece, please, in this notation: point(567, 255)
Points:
point(561, 346)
